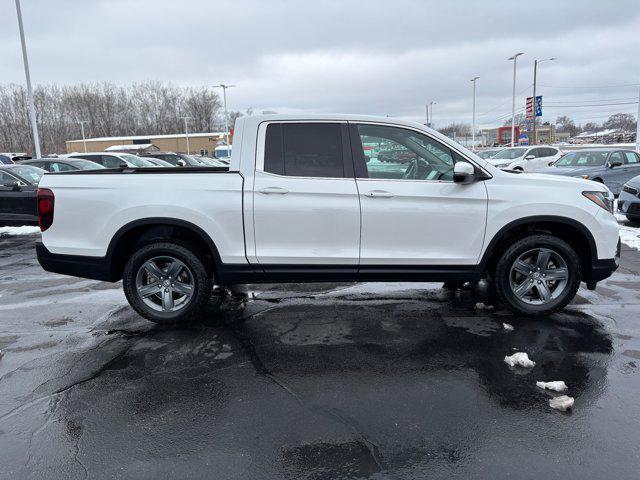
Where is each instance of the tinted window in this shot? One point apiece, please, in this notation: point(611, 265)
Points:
point(111, 162)
point(60, 167)
point(6, 178)
point(617, 157)
point(398, 153)
point(631, 157)
point(304, 150)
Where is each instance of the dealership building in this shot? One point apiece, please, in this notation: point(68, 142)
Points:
point(199, 143)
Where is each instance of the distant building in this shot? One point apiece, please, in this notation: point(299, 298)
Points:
point(133, 148)
point(200, 143)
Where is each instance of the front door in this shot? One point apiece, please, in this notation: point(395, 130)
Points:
point(305, 201)
point(17, 206)
point(412, 211)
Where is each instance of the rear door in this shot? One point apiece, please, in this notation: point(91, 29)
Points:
point(631, 165)
point(616, 177)
point(413, 214)
point(17, 205)
point(306, 206)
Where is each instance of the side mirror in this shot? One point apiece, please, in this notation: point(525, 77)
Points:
point(181, 163)
point(529, 157)
point(551, 164)
point(615, 163)
point(463, 172)
point(15, 186)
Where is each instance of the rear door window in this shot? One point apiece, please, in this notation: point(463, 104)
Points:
point(631, 158)
point(304, 150)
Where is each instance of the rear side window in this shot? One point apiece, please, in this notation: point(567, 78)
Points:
point(304, 150)
point(632, 158)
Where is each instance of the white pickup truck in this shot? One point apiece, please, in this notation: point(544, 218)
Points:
point(328, 198)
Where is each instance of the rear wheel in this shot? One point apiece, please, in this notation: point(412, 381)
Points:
point(537, 275)
point(633, 219)
point(166, 282)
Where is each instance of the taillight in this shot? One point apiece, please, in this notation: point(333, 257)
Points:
point(46, 201)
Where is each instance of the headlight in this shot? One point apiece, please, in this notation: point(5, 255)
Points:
point(601, 199)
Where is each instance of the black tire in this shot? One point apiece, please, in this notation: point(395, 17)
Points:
point(201, 278)
point(633, 219)
point(514, 251)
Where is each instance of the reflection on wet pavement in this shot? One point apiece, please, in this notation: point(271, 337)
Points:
point(318, 381)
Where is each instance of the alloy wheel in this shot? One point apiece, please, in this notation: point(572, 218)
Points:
point(539, 276)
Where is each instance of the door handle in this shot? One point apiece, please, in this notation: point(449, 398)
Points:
point(379, 194)
point(270, 190)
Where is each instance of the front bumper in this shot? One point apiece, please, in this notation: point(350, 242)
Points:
point(601, 269)
point(629, 204)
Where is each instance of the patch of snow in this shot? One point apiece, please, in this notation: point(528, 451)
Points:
point(519, 359)
point(556, 386)
point(1, 354)
point(24, 230)
point(507, 327)
point(628, 235)
point(562, 403)
point(482, 306)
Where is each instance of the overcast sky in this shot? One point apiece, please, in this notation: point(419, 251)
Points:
point(350, 56)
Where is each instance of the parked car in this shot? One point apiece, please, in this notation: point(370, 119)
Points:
point(611, 166)
point(174, 159)
point(62, 164)
point(223, 152)
point(8, 158)
point(114, 160)
point(525, 159)
point(299, 203)
point(629, 200)
point(18, 186)
point(489, 153)
point(158, 162)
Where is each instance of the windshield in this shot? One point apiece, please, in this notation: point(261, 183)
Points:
point(582, 159)
point(136, 161)
point(509, 154)
point(486, 154)
point(31, 174)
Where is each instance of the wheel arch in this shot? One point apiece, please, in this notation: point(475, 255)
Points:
point(147, 230)
point(573, 232)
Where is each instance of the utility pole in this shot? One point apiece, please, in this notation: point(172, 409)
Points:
point(473, 123)
point(84, 140)
point(226, 114)
point(32, 107)
point(186, 132)
point(534, 131)
point(427, 109)
point(513, 98)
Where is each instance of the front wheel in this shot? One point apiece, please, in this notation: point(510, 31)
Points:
point(537, 275)
point(166, 282)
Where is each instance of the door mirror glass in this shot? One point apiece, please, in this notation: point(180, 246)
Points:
point(463, 172)
point(615, 163)
point(181, 163)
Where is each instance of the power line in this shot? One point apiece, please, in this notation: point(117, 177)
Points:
point(591, 101)
point(592, 86)
point(590, 106)
point(503, 103)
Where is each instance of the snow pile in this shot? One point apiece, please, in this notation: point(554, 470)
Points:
point(630, 236)
point(482, 306)
point(562, 403)
point(24, 230)
point(519, 359)
point(557, 386)
point(507, 327)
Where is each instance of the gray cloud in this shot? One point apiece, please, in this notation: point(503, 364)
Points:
point(375, 57)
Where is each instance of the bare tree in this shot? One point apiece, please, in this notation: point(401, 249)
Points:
point(621, 121)
point(139, 109)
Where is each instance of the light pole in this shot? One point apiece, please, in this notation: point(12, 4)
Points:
point(32, 107)
point(226, 114)
point(513, 99)
point(638, 125)
point(473, 123)
point(534, 136)
point(186, 133)
point(84, 140)
point(427, 109)
point(431, 114)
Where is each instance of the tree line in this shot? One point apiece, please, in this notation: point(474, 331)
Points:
point(148, 108)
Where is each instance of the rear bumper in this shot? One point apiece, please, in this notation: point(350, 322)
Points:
point(95, 268)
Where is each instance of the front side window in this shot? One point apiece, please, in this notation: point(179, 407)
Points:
point(510, 153)
point(60, 167)
point(616, 157)
point(111, 162)
point(398, 153)
point(304, 150)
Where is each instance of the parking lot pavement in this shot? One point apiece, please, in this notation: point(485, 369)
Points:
point(321, 381)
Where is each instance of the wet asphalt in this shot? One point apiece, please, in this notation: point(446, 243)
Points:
point(312, 381)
